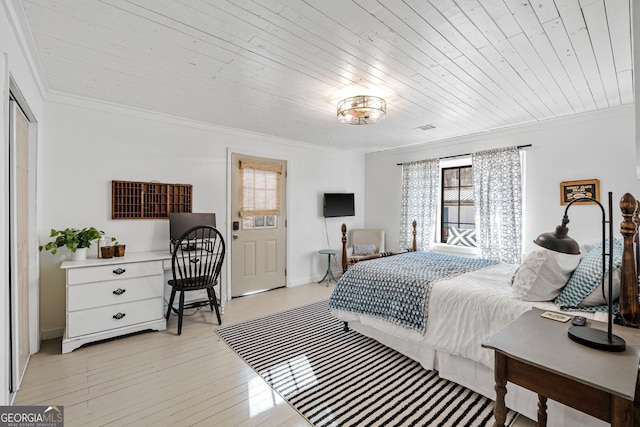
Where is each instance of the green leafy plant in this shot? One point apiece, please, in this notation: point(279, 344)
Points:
point(112, 241)
point(72, 238)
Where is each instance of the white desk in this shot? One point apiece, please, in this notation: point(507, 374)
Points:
point(117, 296)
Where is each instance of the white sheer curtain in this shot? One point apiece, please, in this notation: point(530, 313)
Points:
point(498, 204)
point(420, 193)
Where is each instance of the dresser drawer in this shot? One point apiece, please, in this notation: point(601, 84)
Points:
point(101, 319)
point(98, 294)
point(113, 272)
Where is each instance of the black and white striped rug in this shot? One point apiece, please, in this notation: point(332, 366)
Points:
point(337, 378)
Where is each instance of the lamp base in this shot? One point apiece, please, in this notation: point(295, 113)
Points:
point(595, 338)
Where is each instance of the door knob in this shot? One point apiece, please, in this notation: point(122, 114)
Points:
point(235, 236)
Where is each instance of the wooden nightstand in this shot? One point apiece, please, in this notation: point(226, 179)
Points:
point(537, 354)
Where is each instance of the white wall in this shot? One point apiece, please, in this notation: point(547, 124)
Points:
point(90, 144)
point(635, 44)
point(16, 63)
point(595, 145)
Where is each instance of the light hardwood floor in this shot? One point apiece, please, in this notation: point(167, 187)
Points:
point(159, 378)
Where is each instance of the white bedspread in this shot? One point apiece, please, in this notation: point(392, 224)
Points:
point(465, 312)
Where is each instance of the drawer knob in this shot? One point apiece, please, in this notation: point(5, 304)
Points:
point(119, 316)
point(119, 271)
point(119, 291)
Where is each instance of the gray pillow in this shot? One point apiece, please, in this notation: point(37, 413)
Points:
point(362, 249)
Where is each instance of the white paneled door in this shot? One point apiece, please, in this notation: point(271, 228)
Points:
point(258, 234)
point(19, 243)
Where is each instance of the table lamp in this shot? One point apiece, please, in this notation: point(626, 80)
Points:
point(559, 241)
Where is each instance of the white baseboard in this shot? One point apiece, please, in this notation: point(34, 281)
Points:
point(315, 279)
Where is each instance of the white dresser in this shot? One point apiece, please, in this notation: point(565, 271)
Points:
point(116, 296)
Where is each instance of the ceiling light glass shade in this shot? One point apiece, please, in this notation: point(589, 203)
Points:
point(362, 110)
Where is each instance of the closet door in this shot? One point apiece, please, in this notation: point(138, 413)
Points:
point(19, 243)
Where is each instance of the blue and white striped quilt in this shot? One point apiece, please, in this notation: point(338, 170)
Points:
point(397, 288)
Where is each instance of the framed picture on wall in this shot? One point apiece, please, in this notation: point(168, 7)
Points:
point(575, 190)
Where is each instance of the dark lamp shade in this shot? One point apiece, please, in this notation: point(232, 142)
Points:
point(558, 241)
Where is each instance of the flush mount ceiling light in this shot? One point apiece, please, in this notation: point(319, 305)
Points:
point(362, 110)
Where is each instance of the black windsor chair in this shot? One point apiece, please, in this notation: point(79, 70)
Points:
point(196, 264)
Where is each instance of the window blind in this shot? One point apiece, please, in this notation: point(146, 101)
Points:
point(260, 188)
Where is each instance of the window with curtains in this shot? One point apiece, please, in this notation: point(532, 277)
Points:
point(485, 197)
point(457, 207)
point(260, 198)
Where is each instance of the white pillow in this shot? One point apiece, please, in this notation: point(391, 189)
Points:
point(543, 274)
point(595, 298)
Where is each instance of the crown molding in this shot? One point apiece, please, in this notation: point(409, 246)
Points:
point(124, 110)
point(20, 27)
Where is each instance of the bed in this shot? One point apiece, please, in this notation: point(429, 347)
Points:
point(463, 310)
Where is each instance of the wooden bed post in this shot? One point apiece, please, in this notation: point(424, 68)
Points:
point(629, 306)
point(414, 245)
point(344, 248)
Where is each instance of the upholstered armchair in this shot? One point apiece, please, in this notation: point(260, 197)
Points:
point(361, 244)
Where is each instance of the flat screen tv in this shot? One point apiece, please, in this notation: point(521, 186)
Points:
point(182, 221)
point(338, 204)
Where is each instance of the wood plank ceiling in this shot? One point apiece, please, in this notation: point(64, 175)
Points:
point(279, 67)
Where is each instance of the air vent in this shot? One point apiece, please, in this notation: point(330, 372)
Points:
point(425, 127)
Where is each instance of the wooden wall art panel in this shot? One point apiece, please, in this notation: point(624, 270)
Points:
point(149, 200)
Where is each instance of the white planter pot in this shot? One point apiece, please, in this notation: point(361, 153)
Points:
point(79, 255)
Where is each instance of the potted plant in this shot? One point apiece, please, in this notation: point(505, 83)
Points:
point(106, 250)
point(77, 241)
point(118, 249)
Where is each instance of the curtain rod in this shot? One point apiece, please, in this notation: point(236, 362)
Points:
point(519, 147)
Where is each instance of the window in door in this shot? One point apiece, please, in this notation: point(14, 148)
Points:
point(260, 197)
point(457, 200)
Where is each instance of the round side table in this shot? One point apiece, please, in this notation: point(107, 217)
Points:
point(329, 274)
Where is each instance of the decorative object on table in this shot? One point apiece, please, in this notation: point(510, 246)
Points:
point(105, 247)
point(560, 241)
point(77, 241)
point(106, 251)
point(581, 191)
point(118, 249)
